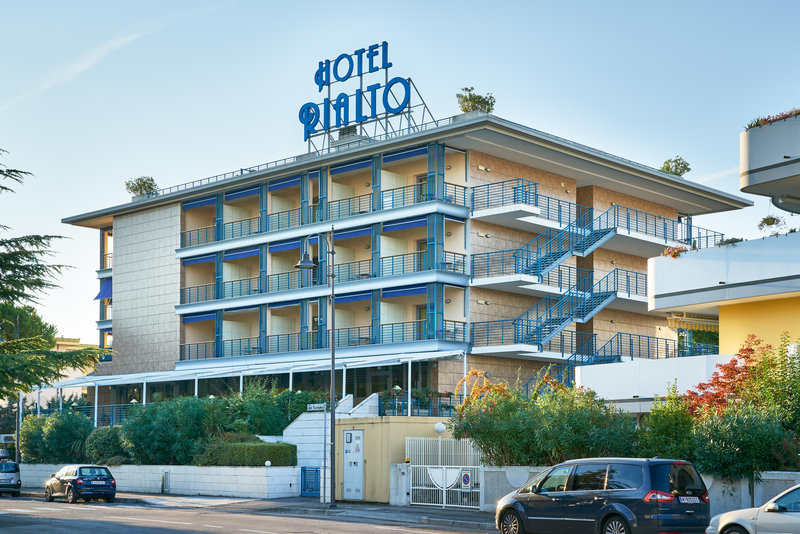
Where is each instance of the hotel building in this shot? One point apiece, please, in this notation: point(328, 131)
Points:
point(470, 242)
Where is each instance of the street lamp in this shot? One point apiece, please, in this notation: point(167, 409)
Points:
point(306, 263)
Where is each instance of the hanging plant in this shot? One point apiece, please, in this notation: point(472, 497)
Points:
point(674, 252)
point(770, 222)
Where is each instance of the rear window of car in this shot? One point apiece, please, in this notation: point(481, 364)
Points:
point(624, 476)
point(93, 471)
point(9, 467)
point(677, 478)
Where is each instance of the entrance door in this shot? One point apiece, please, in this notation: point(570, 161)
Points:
point(353, 474)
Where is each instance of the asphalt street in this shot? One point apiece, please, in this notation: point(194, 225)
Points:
point(36, 515)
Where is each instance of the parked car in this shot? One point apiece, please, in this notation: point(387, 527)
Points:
point(85, 482)
point(10, 481)
point(608, 496)
point(779, 515)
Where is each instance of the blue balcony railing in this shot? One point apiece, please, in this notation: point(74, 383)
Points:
point(454, 262)
point(509, 192)
point(455, 194)
point(240, 347)
point(352, 271)
point(423, 405)
point(347, 207)
point(190, 295)
point(198, 236)
point(240, 288)
point(197, 351)
point(281, 220)
point(241, 228)
point(624, 345)
point(412, 262)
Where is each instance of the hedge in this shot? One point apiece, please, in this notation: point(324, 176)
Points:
point(220, 452)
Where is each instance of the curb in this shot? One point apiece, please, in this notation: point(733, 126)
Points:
point(456, 523)
point(40, 495)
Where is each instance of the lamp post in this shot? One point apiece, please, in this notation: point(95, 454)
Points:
point(306, 263)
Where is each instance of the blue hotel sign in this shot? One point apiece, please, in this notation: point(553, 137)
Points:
point(367, 103)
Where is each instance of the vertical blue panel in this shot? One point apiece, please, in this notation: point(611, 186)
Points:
point(304, 196)
point(218, 334)
point(376, 183)
point(303, 324)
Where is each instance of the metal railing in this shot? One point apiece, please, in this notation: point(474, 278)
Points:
point(198, 236)
point(240, 347)
point(506, 193)
point(281, 220)
point(197, 351)
point(423, 404)
point(240, 228)
point(405, 263)
point(404, 332)
point(352, 271)
point(624, 345)
point(347, 207)
point(240, 288)
point(455, 194)
point(456, 331)
point(454, 262)
point(657, 226)
point(108, 261)
point(203, 293)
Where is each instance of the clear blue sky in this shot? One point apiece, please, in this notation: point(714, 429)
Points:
point(95, 93)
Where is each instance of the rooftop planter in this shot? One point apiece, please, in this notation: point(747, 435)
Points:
point(769, 158)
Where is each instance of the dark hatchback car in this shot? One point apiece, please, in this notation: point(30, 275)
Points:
point(608, 496)
point(85, 482)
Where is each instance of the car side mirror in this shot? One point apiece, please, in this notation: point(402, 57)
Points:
point(772, 507)
point(53, 475)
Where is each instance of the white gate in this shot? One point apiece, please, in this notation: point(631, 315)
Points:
point(444, 472)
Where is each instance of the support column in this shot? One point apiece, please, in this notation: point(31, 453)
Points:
point(60, 399)
point(263, 195)
point(375, 249)
point(323, 196)
point(219, 226)
point(218, 349)
point(144, 393)
point(291, 380)
point(196, 389)
point(241, 383)
point(39, 401)
point(376, 183)
point(435, 171)
point(95, 404)
point(409, 389)
point(304, 199)
point(464, 355)
point(304, 310)
point(344, 380)
point(375, 319)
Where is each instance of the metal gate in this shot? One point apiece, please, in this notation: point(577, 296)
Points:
point(309, 481)
point(444, 472)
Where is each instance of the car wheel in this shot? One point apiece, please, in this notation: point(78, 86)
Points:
point(48, 494)
point(734, 530)
point(71, 496)
point(616, 525)
point(510, 523)
point(15, 494)
point(109, 499)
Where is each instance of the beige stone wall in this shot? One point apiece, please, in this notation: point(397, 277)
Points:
point(602, 262)
point(499, 237)
point(146, 282)
point(629, 323)
point(551, 185)
point(507, 370)
point(602, 199)
point(501, 305)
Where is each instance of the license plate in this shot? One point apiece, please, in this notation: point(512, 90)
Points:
point(98, 482)
point(5, 480)
point(689, 500)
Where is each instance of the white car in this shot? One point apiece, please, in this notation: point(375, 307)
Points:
point(780, 515)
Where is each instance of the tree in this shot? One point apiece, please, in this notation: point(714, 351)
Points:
point(30, 323)
point(24, 273)
point(469, 101)
point(677, 166)
point(142, 185)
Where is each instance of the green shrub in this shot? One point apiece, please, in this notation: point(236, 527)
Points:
point(105, 445)
point(249, 453)
point(31, 440)
point(268, 410)
point(556, 425)
point(54, 439)
point(667, 431)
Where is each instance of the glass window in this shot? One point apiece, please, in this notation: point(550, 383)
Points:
point(94, 471)
point(62, 472)
point(8, 467)
point(678, 478)
point(528, 486)
point(589, 477)
point(556, 480)
point(790, 502)
point(625, 476)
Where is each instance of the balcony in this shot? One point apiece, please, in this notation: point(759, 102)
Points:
point(398, 265)
point(334, 210)
point(389, 333)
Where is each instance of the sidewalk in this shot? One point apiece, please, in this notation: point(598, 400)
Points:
point(305, 506)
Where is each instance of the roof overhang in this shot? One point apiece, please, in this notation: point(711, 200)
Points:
point(490, 135)
point(319, 364)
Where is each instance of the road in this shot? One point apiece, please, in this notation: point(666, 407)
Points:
point(35, 515)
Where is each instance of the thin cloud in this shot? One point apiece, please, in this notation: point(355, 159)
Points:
point(714, 176)
point(76, 68)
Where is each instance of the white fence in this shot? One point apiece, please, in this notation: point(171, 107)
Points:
point(245, 482)
point(444, 472)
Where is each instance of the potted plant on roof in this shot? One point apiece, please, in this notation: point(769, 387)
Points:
point(771, 224)
point(141, 187)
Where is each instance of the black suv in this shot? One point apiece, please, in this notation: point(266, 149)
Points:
point(608, 496)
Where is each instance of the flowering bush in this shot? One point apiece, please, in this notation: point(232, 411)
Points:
point(674, 252)
point(761, 121)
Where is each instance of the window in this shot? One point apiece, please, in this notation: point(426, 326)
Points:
point(677, 478)
point(528, 486)
point(556, 480)
point(94, 471)
point(589, 477)
point(790, 502)
point(624, 476)
point(8, 467)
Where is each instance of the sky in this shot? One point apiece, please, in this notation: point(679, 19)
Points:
point(95, 93)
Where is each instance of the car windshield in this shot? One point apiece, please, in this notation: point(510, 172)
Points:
point(93, 471)
point(790, 502)
point(8, 467)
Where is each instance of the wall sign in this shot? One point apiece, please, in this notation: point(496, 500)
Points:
point(375, 101)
